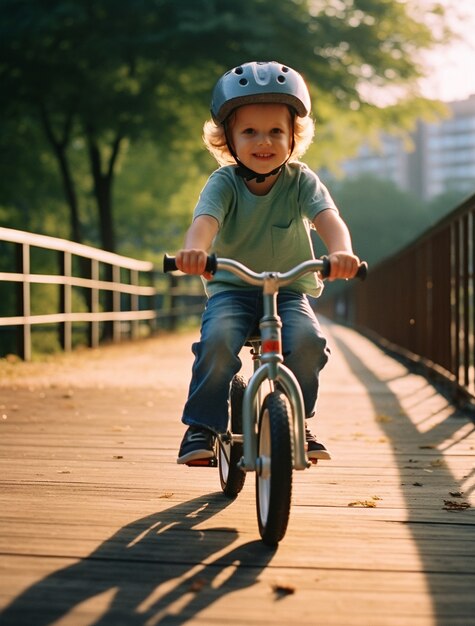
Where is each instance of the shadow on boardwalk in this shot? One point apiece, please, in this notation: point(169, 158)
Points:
point(415, 450)
point(159, 569)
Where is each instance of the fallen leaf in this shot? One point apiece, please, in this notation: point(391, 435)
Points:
point(368, 504)
point(450, 505)
point(283, 589)
point(456, 494)
point(384, 418)
point(198, 584)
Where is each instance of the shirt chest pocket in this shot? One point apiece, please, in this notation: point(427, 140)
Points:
point(290, 245)
point(285, 239)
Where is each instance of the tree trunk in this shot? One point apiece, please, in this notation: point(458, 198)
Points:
point(60, 151)
point(71, 197)
point(103, 193)
point(103, 189)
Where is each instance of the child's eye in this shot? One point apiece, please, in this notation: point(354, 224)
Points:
point(248, 131)
point(276, 131)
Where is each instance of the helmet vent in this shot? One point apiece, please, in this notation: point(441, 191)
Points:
point(243, 82)
point(281, 79)
point(285, 69)
point(238, 70)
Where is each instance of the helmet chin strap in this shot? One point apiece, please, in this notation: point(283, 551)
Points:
point(248, 174)
point(245, 172)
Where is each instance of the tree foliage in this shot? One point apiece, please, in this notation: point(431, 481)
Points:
point(384, 218)
point(100, 77)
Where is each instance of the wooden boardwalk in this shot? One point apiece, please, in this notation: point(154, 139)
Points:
point(99, 526)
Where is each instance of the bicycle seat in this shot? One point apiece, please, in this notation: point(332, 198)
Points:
point(252, 340)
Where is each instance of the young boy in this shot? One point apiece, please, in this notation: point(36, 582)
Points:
point(257, 208)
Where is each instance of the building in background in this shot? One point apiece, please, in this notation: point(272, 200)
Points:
point(442, 157)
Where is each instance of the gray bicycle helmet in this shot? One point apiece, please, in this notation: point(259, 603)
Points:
point(259, 82)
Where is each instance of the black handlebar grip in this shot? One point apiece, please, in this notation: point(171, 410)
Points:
point(361, 273)
point(326, 267)
point(169, 264)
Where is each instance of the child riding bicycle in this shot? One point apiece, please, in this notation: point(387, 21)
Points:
point(257, 208)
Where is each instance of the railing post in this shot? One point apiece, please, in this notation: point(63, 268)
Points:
point(65, 301)
point(116, 306)
point(24, 301)
point(134, 303)
point(465, 295)
point(108, 327)
point(472, 298)
point(94, 327)
point(456, 300)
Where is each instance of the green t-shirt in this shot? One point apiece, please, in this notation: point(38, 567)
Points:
point(266, 233)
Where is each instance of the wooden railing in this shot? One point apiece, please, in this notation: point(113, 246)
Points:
point(421, 302)
point(112, 294)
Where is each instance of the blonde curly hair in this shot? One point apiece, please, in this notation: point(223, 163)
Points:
point(214, 137)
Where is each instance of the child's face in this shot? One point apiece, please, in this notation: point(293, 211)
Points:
point(261, 136)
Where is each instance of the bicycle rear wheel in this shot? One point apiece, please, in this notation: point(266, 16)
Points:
point(231, 475)
point(274, 472)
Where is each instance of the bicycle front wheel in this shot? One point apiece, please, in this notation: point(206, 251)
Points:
point(231, 475)
point(274, 471)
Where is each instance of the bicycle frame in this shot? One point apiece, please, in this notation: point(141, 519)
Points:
point(270, 363)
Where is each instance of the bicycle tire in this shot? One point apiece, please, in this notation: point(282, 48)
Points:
point(274, 473)
point(231, 475)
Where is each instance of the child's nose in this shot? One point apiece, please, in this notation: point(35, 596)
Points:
point(264, 138)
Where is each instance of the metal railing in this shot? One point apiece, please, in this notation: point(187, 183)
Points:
point(421, 301)
point(114, 292)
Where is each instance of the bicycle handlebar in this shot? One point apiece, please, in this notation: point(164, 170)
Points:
point(213, 263)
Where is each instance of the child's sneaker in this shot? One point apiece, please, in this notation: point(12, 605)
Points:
point(197, 443)
point(315, 449)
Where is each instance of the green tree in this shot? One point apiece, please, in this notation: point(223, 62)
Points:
point(104, 74)
point(30, 197)
point(154, 211)
point(444, 203)
point(382, 217)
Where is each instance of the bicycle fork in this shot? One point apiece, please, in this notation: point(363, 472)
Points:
point(268, 365)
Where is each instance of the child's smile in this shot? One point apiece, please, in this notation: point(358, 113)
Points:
point(263, 157)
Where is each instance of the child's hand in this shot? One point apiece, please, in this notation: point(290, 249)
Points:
point(343, 265)
point(193, 262)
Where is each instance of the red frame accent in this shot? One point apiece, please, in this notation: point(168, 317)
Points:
point(270, 345)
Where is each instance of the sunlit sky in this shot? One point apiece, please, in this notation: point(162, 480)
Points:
point(452, 69)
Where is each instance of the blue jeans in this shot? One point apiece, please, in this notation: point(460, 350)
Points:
point(229, 319)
